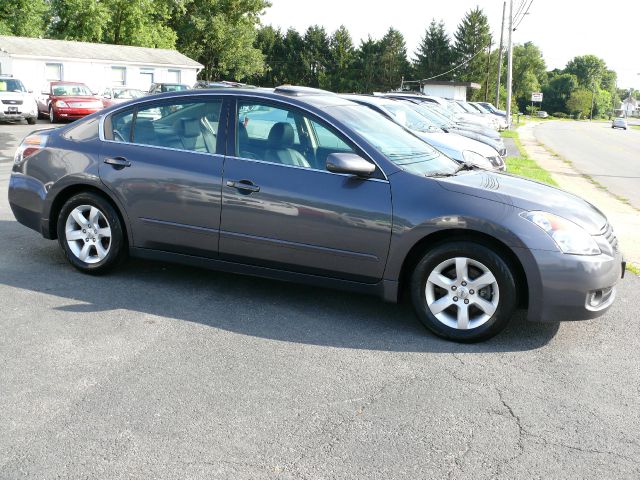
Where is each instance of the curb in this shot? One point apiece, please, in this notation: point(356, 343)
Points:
point(624, 218)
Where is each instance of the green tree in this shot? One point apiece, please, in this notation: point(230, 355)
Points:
point(220, 34)
point(529, 72)
point(579, 102)
point(393, 59)
point(270, 42)
point(294, 70)
point(342, 57)
point(471, 42)
point(434, 54)
point(588, 69)
point(23, 18)
point(557, 91)
point(139, 22)
point(315, 56)
point(83, 20)
point(368, 66)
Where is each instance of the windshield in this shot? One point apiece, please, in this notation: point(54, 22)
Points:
point(454, 107)
point(127, 93)
point(174, 88)
point(394, 142)
point(434, 117)
point(408, 117)
point(71, 90)
point(11, 85)
point(468, 108)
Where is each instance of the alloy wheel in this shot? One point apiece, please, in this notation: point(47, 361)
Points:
point(462, 293)
point(88, 234)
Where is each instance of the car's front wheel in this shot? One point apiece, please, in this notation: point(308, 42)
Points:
point(463, 291)
point(90, 233)
point(52, 116)
point(31, 120)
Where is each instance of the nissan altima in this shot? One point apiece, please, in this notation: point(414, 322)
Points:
point(302, 185)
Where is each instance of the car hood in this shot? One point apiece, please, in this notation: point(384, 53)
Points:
point(527, 195)
point(15, 96)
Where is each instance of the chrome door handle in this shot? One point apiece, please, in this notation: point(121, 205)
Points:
point(245, 185)
point(118, 162)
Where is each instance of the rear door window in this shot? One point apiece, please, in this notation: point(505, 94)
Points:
point(182, 124)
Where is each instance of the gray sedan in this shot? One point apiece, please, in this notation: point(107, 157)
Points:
point(301, 185)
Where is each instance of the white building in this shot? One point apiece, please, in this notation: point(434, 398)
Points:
point(454, 90)
point(38, 61)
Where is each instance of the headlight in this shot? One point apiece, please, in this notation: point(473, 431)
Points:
point(569, 237)
point(477, 159)
point(61, 104)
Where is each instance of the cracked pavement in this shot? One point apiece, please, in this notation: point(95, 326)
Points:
point(168, 372)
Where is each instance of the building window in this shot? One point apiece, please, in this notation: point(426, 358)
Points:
point(118, 76)
point(173, 76)
point(53, 72)
point(146, 78)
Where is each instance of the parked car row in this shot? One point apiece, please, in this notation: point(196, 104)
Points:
point(304, 185)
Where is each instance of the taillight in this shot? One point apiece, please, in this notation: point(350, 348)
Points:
point(30, 145)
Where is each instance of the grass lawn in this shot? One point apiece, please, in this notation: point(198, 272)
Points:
point(523, 165)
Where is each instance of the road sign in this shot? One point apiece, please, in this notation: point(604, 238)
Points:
point(536, 97)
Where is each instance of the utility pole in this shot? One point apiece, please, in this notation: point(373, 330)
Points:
point(486, 82)
point(509, 63)
point(504, 7)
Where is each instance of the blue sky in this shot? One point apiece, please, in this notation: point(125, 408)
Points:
point(561, 28)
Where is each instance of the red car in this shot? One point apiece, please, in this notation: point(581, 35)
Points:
point(68, 101)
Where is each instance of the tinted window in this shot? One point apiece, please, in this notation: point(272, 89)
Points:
point(183, 125)
point(85, 130)
point(11, 85)
point(120, 126)
point(285, 136)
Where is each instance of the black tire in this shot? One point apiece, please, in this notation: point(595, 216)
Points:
point(506, 286)
point(31, 120)
point(117, 245)
point(52, 115)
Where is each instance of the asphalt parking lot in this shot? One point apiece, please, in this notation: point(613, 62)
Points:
point(168, 372)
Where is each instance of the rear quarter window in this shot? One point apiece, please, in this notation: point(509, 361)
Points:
point(85, 130)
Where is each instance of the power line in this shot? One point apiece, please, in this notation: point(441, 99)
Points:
point(523, 15)
point(454, 68)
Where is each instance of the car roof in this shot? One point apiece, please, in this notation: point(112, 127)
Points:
point(62, 82)
point(293, 94)
point(368, 99)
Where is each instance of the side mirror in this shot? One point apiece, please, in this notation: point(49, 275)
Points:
point(349, 163)
point(44, 93)
point(29, 91)
point(107, 96)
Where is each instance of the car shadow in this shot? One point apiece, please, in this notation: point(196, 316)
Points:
point(241, 304)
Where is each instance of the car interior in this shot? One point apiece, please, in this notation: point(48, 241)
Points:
point(191, 127)
point(279, 136)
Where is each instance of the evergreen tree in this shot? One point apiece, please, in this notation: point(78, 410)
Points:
point(472, 40)
point(393, 59)
point(342, 57)
point(315, 56)
point(434, 55)
point(368, 66)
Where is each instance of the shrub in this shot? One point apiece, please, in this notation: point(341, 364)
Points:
point(560, 115)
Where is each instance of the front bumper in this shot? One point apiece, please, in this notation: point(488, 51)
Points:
point(74, 113)
point(6, 115)
point(574, 287)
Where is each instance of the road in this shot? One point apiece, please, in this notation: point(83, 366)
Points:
point(168, 372)
point(612, 157)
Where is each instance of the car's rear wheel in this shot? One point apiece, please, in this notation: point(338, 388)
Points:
point(463, 291)
point(90, 233)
